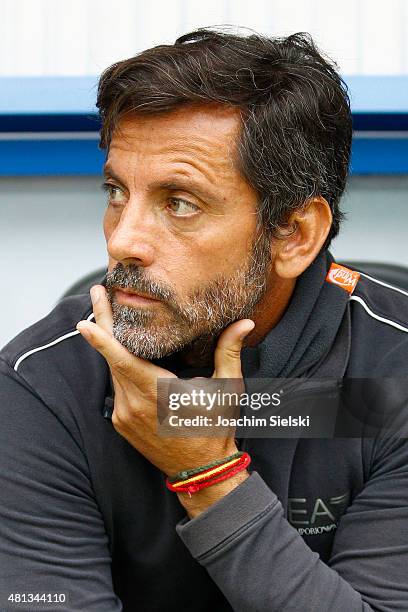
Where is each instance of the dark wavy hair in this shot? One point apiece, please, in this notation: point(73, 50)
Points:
point(295, 138)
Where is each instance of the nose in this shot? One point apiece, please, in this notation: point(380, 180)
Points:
point(131, 239)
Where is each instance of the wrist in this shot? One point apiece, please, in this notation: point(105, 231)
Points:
point(203, 499)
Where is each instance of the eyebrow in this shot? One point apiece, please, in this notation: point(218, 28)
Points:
point(109, 173)
point(179, 183)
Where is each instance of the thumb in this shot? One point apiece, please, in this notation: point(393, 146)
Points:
point(227, 356)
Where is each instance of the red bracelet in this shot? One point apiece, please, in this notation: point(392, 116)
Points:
point(208, 473)
point(193, 487)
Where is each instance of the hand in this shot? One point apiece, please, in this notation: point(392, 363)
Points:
point(135, 404)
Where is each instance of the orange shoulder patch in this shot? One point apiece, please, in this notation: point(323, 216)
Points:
point(343, 277)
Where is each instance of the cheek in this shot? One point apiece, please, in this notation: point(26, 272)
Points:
point(202, 260)
point(226, 250)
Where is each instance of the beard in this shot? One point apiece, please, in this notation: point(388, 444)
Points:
point(194, 323)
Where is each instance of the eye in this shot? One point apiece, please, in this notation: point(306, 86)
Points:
point(182, 208)
point(114, 193)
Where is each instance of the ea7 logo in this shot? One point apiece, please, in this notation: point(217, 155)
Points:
point(317, 512)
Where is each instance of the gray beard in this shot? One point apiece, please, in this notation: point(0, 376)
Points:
point(152, 333)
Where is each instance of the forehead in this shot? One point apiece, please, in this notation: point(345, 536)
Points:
point(207, 131)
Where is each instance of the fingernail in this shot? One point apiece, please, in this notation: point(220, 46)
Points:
point(82, 328)
point(95, 294)
point(246, 332)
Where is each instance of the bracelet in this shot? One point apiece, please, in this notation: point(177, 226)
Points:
point(195, 484)
point(187, 473)
point(210, 476)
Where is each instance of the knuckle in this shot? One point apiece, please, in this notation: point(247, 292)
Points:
point(118, 421)
point(232, 352)
point(115, 419)
point(120, 366)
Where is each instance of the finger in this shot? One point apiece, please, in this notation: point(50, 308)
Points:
point(227, 356)
point(102, 308)
point(120, 360)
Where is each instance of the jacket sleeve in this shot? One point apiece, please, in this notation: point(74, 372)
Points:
point(262, 564)
point(52, 536)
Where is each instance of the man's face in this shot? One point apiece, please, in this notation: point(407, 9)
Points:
point(180, 227)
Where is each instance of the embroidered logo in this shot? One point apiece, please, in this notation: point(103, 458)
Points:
point(343, 277)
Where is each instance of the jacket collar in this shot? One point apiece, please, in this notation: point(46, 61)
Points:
point(305, 334)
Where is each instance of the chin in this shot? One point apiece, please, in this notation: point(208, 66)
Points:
point(145, 344)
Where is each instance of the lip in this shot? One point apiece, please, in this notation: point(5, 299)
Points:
point(124, 296)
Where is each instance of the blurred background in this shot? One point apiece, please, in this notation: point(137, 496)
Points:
point(51, 54)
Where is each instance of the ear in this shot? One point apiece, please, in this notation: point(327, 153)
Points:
point(295, 252)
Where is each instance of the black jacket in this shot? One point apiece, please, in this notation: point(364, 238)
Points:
point(321, 524)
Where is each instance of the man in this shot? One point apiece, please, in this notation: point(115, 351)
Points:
point(226, 160)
